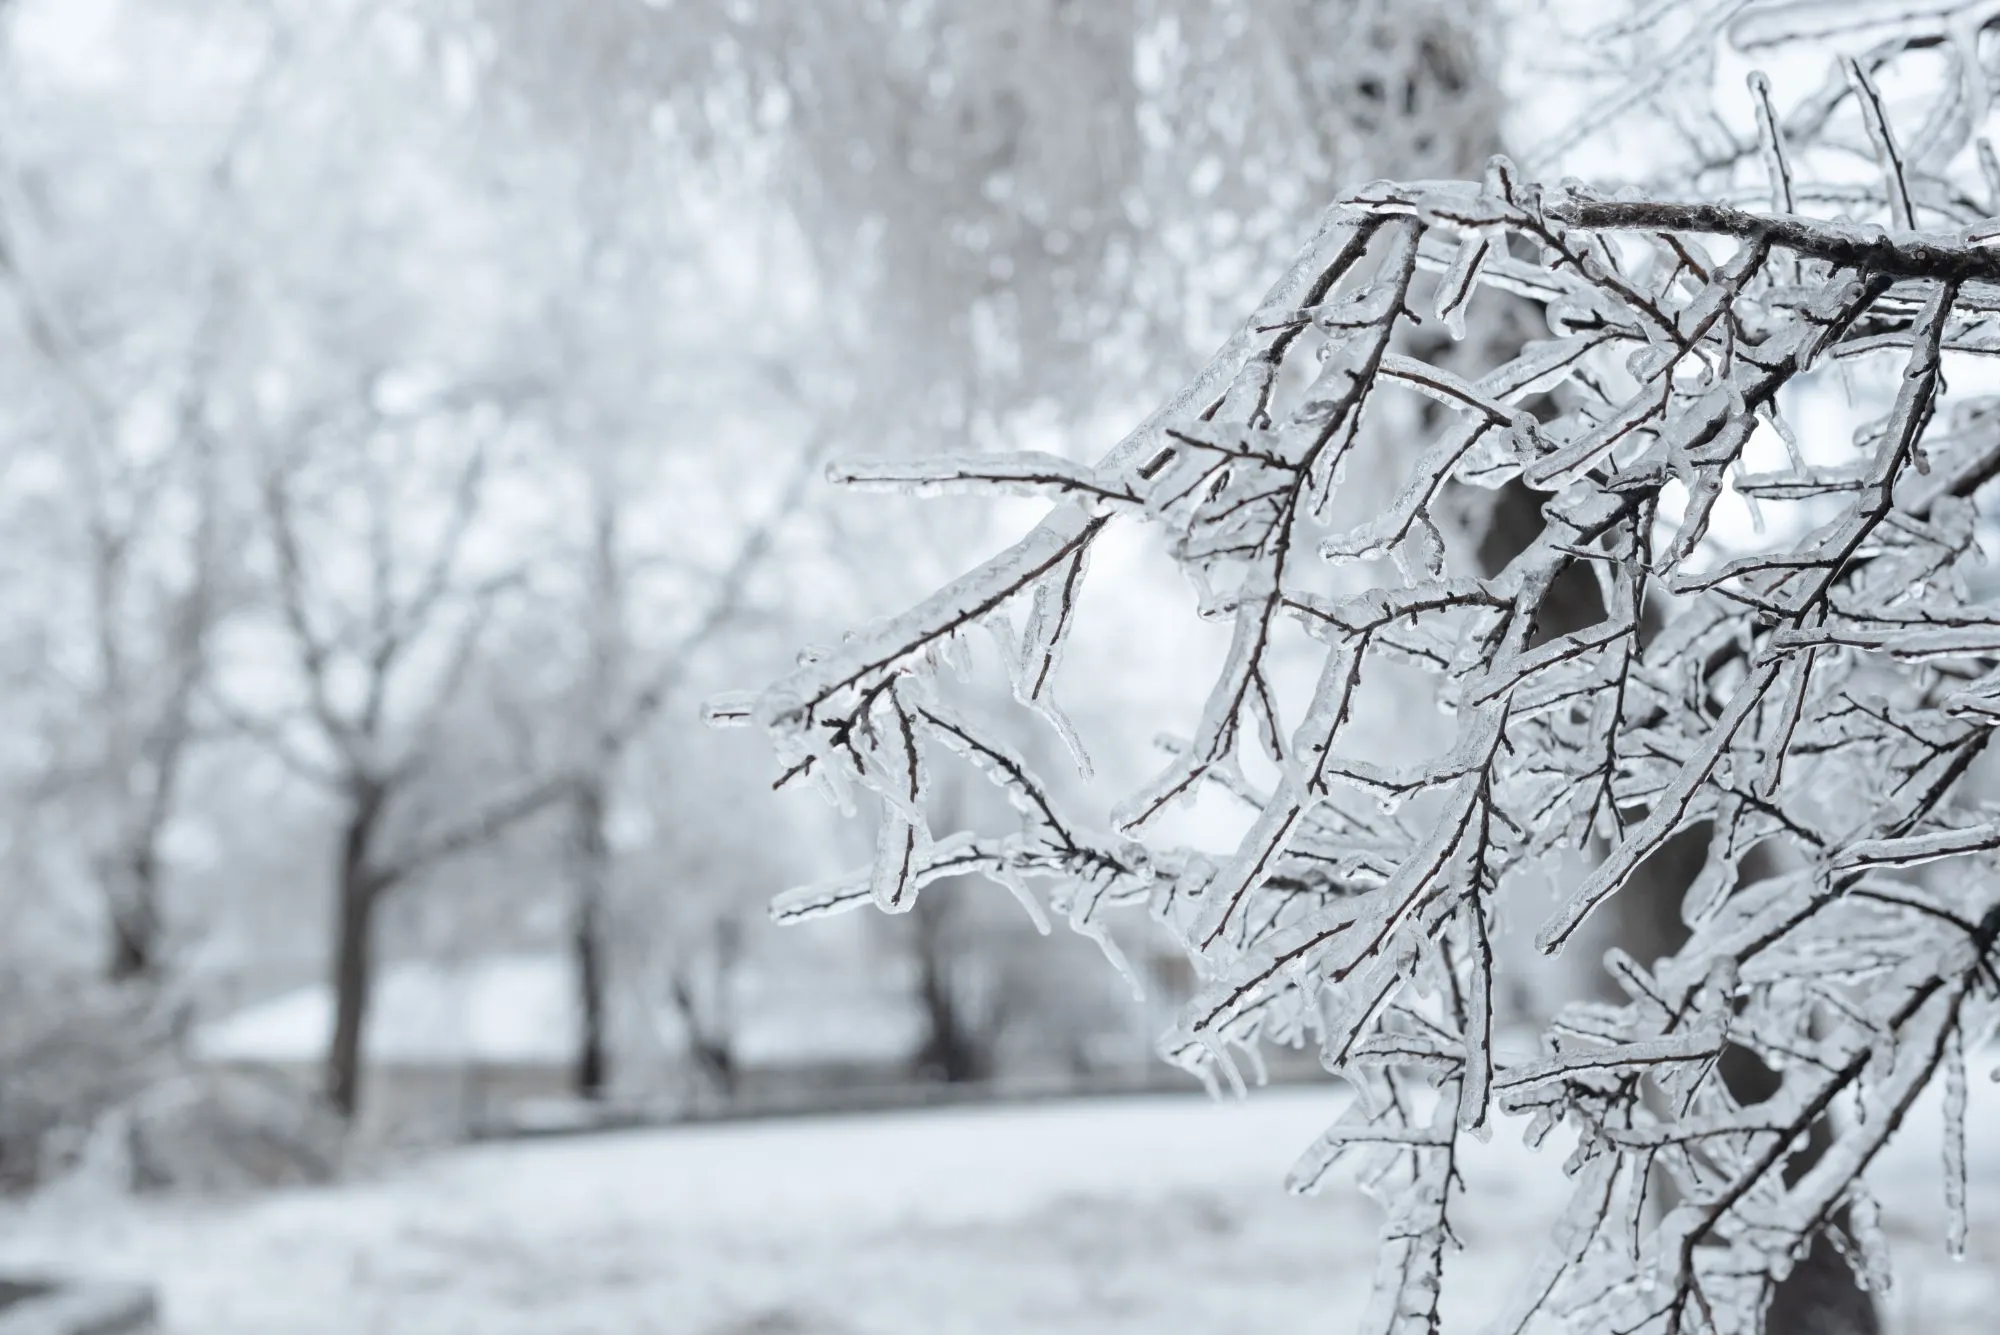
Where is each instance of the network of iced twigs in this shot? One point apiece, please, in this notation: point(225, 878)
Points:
point(1819, 691)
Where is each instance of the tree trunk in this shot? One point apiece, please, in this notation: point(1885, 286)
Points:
point(710, 1029)
point(1819, 1295)
point(715, 1061)
point(135, 919)
point(590, 850)
point(356, 896)
point(955, 1050)
point(590, 858)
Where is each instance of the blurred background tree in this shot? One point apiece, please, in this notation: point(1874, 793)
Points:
point(418, 402)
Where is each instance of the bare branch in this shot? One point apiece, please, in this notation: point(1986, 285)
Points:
point(476, 830)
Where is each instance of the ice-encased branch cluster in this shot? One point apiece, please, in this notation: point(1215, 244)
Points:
point(1819, 690)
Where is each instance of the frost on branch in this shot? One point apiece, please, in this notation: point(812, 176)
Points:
point(1818, 687)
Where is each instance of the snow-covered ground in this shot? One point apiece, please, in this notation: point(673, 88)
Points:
point(1159, 1215)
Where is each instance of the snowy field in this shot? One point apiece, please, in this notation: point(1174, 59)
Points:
point(1158, 1215)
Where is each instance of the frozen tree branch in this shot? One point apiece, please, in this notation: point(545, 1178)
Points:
point(1942, 258)
point(1818, 688)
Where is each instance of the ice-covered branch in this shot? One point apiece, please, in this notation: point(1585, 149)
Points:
point(1871, 249)
point(1817, 688)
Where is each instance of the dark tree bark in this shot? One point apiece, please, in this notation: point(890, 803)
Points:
point(611, 728)
point(1819, 1295)
point(356, 897)
point(591, 859)
point(709, 1047)
point(959, 1045)
point(710, 1020)
point(365, 875)
point(135, 920)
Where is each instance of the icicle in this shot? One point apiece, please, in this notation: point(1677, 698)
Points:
point(1420, 556)
point(1050, 617)
point(1097, 932)
point(835, 781)
point(1460, 281)
point(1864, 1225)
point(1260, 1074)
point(1954, 1145)
point(899, 848)
point(1218, 1054)
point(1011, 880)
point(1058, 720)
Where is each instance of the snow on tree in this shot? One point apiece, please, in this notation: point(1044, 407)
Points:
point(1817, 685)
